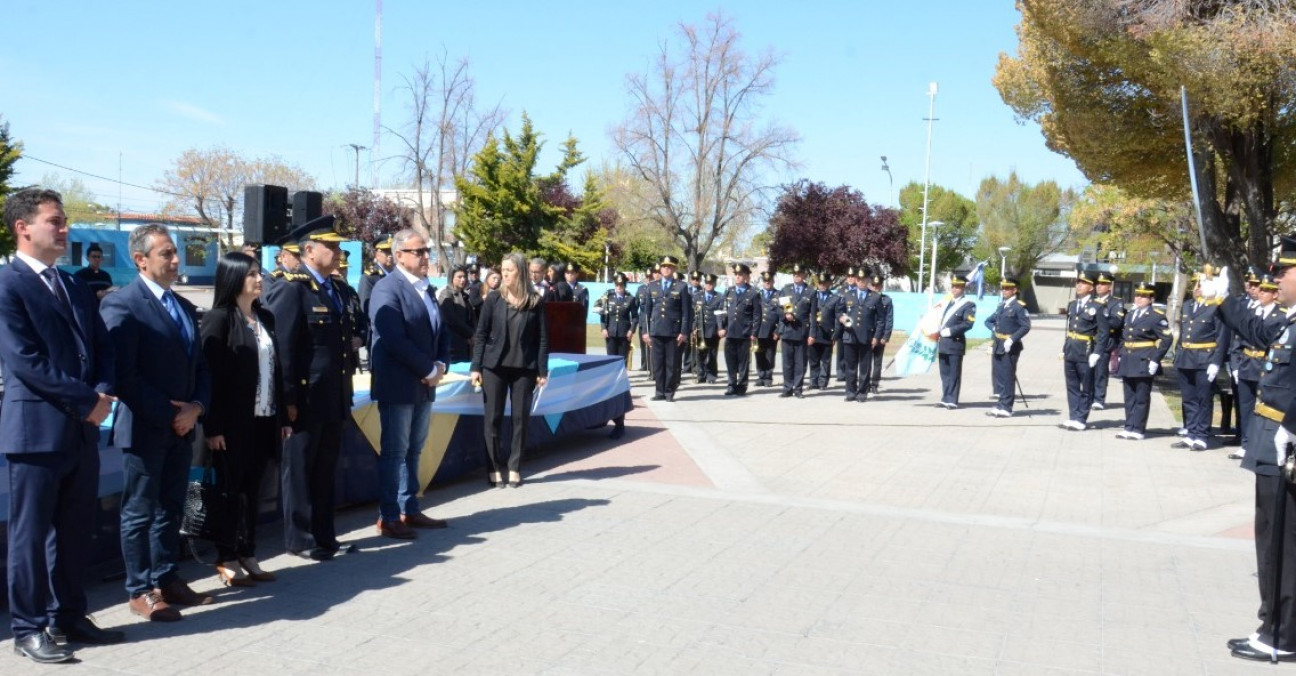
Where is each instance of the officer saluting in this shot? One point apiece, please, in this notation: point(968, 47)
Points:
point(669, 318)
point(1145, 339)
point(768, 335)
point(740, 326)
point(314, 332)
point(1010, 322)
point(1086, 325)
point(1272, 436)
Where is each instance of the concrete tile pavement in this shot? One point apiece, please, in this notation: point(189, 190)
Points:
point(761, 535)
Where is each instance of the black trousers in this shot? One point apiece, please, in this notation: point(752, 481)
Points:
point(1079, 387)
point(1102, 372)
point(645, 343)
point(689, 357)
point(879, 352)
point(794, 365)
point(1138, 401)
point(708, 361)
point(619, 347)
point(841, 362)
point(1272, 493)
point(1247, 391)
point(240, 474)
point(308, 479)
point(737, 353)
point(821, 358)
point(765, 351)
point(1003, 373)
point(951, 373)
point(666, 364)
point(515, 386)
point(1198, 402)
point(52, 504)
point(857, 359)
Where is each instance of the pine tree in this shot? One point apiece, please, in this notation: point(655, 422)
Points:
point(10, 151)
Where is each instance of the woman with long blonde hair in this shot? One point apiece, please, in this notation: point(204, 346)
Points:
point(510, 360)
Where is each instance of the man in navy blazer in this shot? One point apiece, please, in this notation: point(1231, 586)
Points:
point(58, 367)
point(411, 348)
point(164, 387)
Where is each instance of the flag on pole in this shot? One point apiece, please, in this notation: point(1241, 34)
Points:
point(978, 277)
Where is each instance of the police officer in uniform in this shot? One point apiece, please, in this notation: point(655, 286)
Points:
point(848, 286)
point(620, 315)
point(824, 309)
point(474, 294)
point(287, 260)
point(1271, 438)
point(951, 341)
point(1248, 360)
point(314, 332)
point(359, 320)
point(1115, 308)
point(1009, 323)
point(669, 319)
point(379, 268)
point(707, 305)
point(795, 300)
point(1086, 325)
point(691, 365)
point(1145, 339)
point(767, 336)
point(641, 300)
point(740, 327)
point(1203, 344)
point(856, 330)
point(885, 322)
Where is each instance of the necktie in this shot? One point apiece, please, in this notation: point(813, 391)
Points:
point(332, 294)
point(666, 286)
point(51, 278)
point(173, 309)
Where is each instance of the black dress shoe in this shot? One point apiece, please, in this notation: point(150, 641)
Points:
point(670, 396)
point(82, 630)
point(617, 432)
point(1246, 652)
point(729, 392)
point(799, 395)
point(659, 397)
point(1181, 444)
point(313, 554)
point(785, 394)
point(1235, 643)
point(39, 647)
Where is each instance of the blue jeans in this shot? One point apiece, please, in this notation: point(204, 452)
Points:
point(404, 429)
point(153, 497)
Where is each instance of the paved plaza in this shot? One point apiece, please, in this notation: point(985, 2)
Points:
point(760, 535)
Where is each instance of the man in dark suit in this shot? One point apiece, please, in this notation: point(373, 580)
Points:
point(411, 351)
point(796, 300)
point(58, 367)
point(857, 322)
point(740, 325)
point(707, 308)
point(668, 314)
point(164, 386)
point(823, 324)
point(767, 335)
point(93, 273)
point(314, 338)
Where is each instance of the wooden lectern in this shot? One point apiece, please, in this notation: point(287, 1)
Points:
point(566, 323)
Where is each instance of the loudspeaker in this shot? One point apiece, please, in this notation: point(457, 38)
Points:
point(306, 205)
point(265, 213)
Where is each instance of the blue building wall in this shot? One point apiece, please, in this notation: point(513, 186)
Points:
point(196, 267)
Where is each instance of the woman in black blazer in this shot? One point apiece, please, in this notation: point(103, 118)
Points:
point(247, 419)
point(510, 359)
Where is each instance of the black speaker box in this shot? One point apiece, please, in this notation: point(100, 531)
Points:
point(265, 213)
point(306, 206)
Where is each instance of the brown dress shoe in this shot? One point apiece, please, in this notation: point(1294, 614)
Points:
point(151, 607)
point(177, 593)
point(421, 520)
point(395, 530)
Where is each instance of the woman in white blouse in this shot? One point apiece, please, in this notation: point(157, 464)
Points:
point(247, 420)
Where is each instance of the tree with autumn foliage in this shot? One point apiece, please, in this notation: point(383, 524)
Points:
point(363, 215)
point(834, 228)
point(1103, 79)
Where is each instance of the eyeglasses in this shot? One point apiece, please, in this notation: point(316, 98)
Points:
point(422, 251)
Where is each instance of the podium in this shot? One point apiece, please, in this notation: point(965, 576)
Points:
point(566, 323)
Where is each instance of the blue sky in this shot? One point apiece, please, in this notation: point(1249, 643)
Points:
point(145, 81)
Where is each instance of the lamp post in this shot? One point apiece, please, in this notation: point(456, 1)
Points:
point(1003, 261)
point(357, 148)
point(922, 240)
point(890, 181)
point(931, 290)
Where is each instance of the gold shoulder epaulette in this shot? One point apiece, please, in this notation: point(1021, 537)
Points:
point(1158, 311)
point(277, 273)
point(1021, 302)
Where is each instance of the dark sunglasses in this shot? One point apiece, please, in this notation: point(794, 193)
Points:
point(423, 251)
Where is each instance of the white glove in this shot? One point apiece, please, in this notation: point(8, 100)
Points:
point(1153, 367)
point(1235, 376)
point(1093, 360)
point(1211, 372)
point(1282, 438)
point(1008, 343)
point(945, 333)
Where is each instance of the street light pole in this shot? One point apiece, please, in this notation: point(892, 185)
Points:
point(922, 240)
point(931, 290)
point(890, 181)
point(1003, 262)
point(357, 148)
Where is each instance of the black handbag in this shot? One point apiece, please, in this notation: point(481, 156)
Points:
point(206, 508)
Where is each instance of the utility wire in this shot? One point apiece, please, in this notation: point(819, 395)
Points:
point(104, 178)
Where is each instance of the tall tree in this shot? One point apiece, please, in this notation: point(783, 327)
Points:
point(834, 228)
point(1143, 231)
point(635, 240)
point(444, 130)
point(78, 201)
point(209, 184)
point(1027, 218)
point(1103, 78)
point(363, 215)
point(10, 151)
point(956, 235)
point(695, 135)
